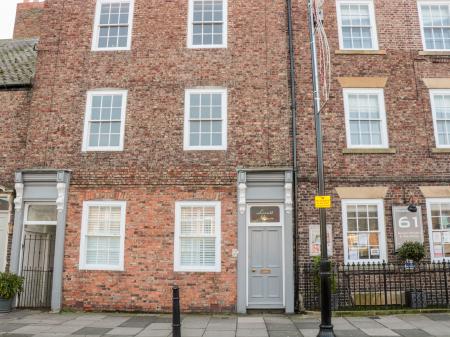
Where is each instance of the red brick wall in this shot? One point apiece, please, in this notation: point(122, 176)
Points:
point(154, 171)
point(146, 283)
point(13, 128)
point(28, 19)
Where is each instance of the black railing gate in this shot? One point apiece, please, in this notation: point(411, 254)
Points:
point(37, 270)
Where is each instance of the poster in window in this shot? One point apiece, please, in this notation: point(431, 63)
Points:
point(437, 238)
point(353, 254)
point(314, 240)
point(438, 251)
point(363, 239)
point(446, 237)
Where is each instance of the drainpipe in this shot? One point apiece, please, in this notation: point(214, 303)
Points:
point(293, 86)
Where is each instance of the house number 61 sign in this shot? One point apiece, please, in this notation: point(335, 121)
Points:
point(407, 225)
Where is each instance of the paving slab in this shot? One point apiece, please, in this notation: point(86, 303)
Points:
point(32, 329)
point(341, 323)
point(137, 322)
point(200, 322)
point(91, 331)
point(307, 325)
point(154, 333)
point(251, 319)
point(222, 333)
point(378, 332)
point(393, 322)
point(365, 323)
point(279, 333)
point(309, 332)
point(124, 331)
point(160, 326)
point(260, 325)
point(349, 333)
point(7, 327)
point(252, 333)
point(412, 333)
point(438, 317)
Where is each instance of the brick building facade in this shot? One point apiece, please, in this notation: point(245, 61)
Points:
point(156, 147)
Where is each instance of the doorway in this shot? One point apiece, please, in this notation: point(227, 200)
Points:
point(265, 260)
point(37, 255)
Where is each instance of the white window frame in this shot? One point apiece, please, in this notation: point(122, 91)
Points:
point(177, 251)
point(430, 201)
point(381, 102)
point(373, 21)
point(187, 124)
point(190, 36)
point(27, 206)
point(381, 226)
point(434, 92)
point(84, 227)
point(87, 117)
point(96, 30)
point(422, 28)
point(8, 217)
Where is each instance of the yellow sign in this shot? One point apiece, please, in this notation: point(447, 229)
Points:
point(323, 201)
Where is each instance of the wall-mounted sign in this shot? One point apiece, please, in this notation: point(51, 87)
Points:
point(314, 240)
point(263, 214)
point(407, 225)
point(322, 201)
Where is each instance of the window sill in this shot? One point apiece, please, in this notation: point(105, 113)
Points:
point(434, 53)
point(391, 150)
point(360, 52)
point(440, 150)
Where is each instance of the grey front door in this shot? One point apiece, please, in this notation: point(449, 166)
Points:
point(265, 267)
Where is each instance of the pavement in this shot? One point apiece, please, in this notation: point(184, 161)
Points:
point(40, 324)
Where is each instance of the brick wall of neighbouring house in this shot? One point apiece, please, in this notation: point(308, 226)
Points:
point(13, 129)
point(409, 120)
point(153, 171)
point(28, 20)
point(146, 283)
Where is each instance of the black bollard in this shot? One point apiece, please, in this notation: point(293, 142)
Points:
point(176, 319)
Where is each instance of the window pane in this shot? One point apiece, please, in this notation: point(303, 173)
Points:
point(42, 213)
point(4, 204)
point(207, 22)
point(197, 230)
point(365, 119)
point(363, 232)
point(205, 114)
point(436, 26)
point(356, 26)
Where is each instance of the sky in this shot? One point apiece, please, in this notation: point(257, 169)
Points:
point(7, 16)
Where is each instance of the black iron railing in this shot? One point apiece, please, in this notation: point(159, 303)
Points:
point(380, 285)
point(37, 270)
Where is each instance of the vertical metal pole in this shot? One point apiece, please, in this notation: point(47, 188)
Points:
point(176, 319)
point(326, 328)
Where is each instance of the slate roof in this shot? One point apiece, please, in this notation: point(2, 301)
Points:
point(17, 62)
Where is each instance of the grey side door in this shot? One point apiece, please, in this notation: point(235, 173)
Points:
point(265, 267)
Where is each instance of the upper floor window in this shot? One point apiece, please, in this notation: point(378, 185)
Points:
point(103, 235)
point(197, 236)
point(207, 26)
point(113, 25)
point(205, 119)
point(364, 233)
point(104, 125)
point(440, 105)
point(435, 23)
point(365, 118)
point(357, 27)
point(439, 228)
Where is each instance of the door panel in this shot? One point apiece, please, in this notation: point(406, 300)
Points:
point(3, 238)
point(265, 267)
